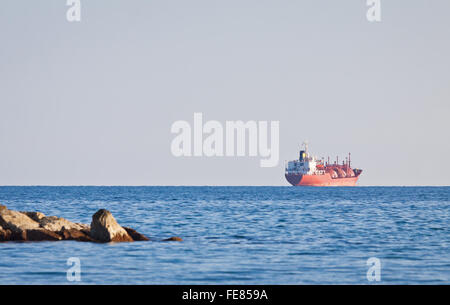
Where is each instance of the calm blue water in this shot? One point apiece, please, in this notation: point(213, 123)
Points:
point(241, 235)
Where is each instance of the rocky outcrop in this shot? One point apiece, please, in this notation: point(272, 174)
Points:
point(16, 222)
point(105, 228)
point(35, 226)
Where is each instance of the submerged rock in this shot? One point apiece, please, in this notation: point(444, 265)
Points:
point(175, 238)
point(105, 228)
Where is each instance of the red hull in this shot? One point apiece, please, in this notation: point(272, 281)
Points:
point(320, 180)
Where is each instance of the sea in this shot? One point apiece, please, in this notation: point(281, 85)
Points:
point(239, 235)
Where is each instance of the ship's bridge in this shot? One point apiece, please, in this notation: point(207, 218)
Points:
point(305, 165)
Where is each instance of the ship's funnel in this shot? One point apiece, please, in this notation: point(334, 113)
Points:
point(302, 155)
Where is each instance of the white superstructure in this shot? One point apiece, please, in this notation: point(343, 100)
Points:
point(305, 165)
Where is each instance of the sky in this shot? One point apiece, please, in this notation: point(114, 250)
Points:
point(92, 102)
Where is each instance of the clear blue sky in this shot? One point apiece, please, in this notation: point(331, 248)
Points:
point(92, 102)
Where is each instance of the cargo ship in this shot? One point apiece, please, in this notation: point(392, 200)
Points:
point(311, 171)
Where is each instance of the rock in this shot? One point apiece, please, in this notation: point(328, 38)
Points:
point(29, 235)
point(41, 235)
point(55, 224)
point(36, 216)
point(16, 221)
point(5, 235)
point(105, 228)
point(135, 235)
point(2, 208)
point(173, 239)
point(18, 236)
point(73, 234)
